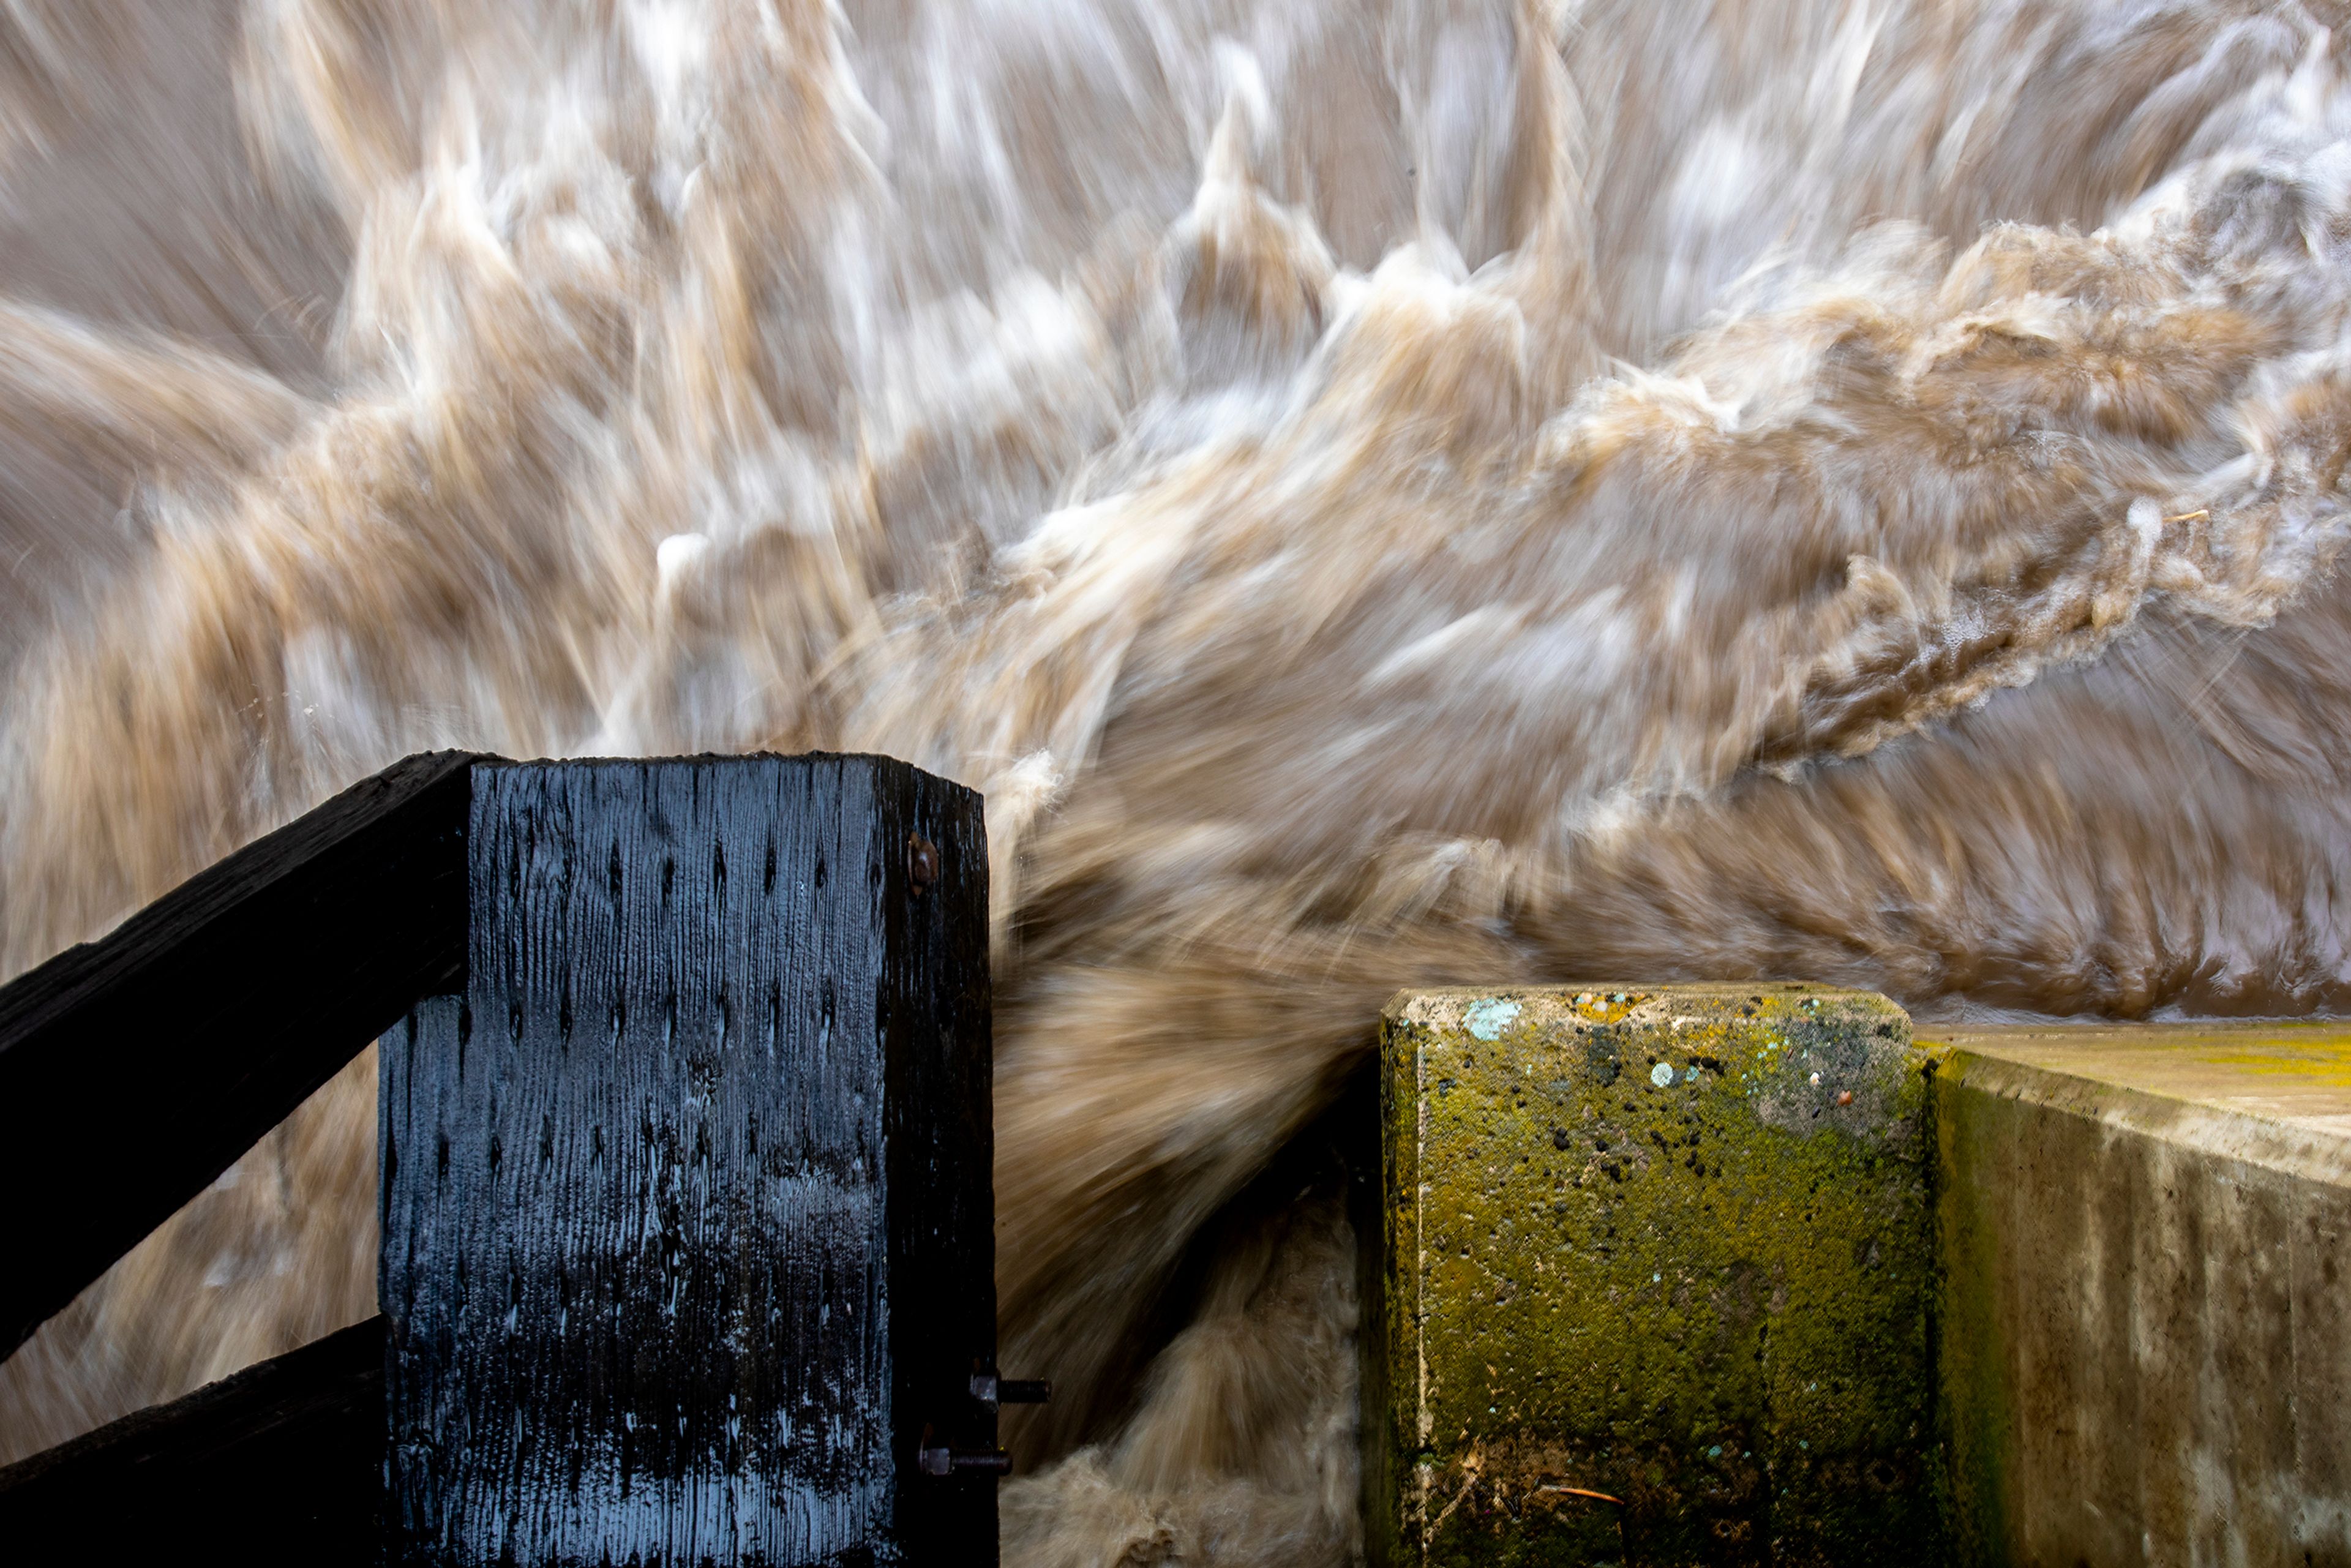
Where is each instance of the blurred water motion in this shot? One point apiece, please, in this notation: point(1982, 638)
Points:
point(1448, 490)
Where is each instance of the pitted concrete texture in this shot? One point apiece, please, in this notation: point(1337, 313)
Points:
point(1670, 1244)
point(2147, 1320)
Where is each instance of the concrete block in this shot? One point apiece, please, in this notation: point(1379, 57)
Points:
point(1670, 1244)
point(2147, 1310)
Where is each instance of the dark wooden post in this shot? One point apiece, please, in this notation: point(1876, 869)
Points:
point(687, 1246)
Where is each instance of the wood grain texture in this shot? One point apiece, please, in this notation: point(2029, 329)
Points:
point(135, 1069)
point(282, 1462)
point(687, 1200)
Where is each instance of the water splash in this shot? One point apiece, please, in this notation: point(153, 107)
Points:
point(1453, 491)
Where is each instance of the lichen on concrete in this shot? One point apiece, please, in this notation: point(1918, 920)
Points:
point(1673, 1245)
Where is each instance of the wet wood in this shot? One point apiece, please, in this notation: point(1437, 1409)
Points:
point(282, 1462)
point(135, 1069)
point(687, 1207)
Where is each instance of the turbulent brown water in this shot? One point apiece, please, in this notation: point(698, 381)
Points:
point(1375, 494)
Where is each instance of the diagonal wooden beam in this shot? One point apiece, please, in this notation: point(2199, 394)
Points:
point(280, 1462)
point(135, 1069)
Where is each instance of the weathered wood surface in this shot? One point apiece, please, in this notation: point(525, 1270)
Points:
point(135, 1069)
point(686, 1206)
point(282, 1462)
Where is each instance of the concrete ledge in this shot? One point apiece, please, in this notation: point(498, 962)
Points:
point(2146, 1293)
point(1786, 1286)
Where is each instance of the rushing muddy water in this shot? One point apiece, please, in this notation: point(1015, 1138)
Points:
point(1375, 494)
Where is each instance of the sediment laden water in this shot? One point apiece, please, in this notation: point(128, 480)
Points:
point(1373, 494)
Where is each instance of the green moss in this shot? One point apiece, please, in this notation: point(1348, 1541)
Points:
point(1671, 1244)
point(1976, 1417)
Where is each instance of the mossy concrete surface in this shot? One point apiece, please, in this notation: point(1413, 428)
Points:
point(1670, 1244)
point(2146, 1319)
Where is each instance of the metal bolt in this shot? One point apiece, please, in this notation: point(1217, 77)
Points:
point(992, 1390)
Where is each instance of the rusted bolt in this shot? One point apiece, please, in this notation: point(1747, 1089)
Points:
point(922, 864)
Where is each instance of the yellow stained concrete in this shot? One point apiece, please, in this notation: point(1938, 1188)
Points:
point(2298, 1073)
point(2137, 1269)
point(2146, 1292)
point(1673, 1244)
